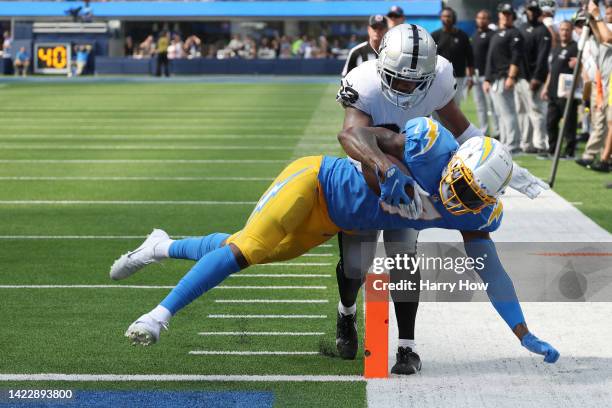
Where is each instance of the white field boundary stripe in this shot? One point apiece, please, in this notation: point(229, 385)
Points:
point(178, 377)
point(142, 161)
point(48, 178)
point(123, 202)
point(266, 316)
point(322, 254)
point(231, 287)
point(279, 275)
point(165, 136)
point(252, 353)
point(136, 147)
point(297, 264)
point(251, 333)
point(271, 301)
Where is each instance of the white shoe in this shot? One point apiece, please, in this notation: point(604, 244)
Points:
point(130, 263)
point(145, 330)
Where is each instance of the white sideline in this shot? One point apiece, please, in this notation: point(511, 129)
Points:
point(252, 353)
point(266, 316)
point(251, 333)
point(152, 287)
point(271, 301)
point(177, 377)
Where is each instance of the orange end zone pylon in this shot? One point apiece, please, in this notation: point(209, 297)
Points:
point(376, 361)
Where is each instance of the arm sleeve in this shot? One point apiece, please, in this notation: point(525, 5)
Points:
point(446, 84)
point(544, 45)
point(469, 51)
point(517, 49)
point(499, 285)
point(488, 66)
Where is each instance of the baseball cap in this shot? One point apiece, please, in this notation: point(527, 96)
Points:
point(395, 11)
point(533, 5)
point(505, 8)
point(377, 20)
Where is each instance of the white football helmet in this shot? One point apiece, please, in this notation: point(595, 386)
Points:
point(407, 53)
point(476, 175)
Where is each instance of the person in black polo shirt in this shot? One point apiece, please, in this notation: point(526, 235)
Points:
point(367, 50)
point(562, 61)
point(505, 65)
point(480, 47)
point(530, 107)
point(454, 45)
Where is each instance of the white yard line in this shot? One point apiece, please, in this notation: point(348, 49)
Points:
point(165, 136)
point(155, 287)
point(24, 146)
point(122, 202)
point(266, 316)
point(177, 377)
point(279, 275)
point(252, 353)
point(51, 178)
point(271, 301)
point(139, 161)
point(251, 333)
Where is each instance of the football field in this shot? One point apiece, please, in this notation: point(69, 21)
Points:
point(88, 169)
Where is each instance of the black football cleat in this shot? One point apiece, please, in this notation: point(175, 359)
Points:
point(346, 336)
point(407, 362)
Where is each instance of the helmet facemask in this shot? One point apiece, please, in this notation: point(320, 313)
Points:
point(404, 100)
point(459, 191)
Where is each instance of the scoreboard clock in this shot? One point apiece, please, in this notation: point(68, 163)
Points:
point(52, 58)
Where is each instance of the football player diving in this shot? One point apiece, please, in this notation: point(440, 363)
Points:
point(408, 80)
point(316, 197)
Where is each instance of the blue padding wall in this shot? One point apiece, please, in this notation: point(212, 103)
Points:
point(108, 65)
point(227, 9)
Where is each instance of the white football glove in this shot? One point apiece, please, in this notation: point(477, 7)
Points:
point(410, 211)
point(525, 182)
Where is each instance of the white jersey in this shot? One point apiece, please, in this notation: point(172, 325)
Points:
point(361, 89)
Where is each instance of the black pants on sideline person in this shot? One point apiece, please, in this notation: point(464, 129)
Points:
point(556, 107)
point(162, 60)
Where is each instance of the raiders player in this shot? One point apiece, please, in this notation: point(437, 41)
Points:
point(407, 80)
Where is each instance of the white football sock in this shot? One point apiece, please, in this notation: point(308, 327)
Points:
point(351, 310)
point(162, 249)
point(407, 343)
point(161, 314)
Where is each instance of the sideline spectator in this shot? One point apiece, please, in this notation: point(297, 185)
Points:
point(285, 51)
point(454, 45)
point(7, 52)
point(146, 49)
point(562, 61)
point(367, 50)
point(504, 65)
point(128, 46)
point(162, 54)
point(82, 57)
point(396, 16)
point(603, 35)
point(531, 109)
point(22, 62)
point(193, 47)
point(265, 51)
point(175, 49)
point(480, 47)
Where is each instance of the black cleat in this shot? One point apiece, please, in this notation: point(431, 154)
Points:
point(407, 362)
point(346, 336)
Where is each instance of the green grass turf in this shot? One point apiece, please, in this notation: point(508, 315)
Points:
point(80, 330)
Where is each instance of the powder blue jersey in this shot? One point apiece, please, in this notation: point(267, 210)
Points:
point(352, 205)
